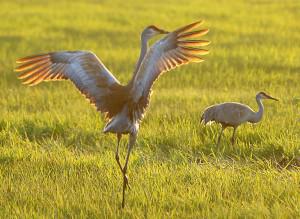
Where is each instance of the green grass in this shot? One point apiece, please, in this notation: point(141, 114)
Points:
point(56, 162)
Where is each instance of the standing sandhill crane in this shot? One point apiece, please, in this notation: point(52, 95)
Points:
point(231, 114)
point(123, 106)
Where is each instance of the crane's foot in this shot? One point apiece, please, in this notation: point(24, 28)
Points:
point(125, 186)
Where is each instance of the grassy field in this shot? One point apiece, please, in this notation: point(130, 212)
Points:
point(56, 162)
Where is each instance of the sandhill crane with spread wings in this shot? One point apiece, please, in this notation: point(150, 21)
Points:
point(231, 114)
point(124, 106)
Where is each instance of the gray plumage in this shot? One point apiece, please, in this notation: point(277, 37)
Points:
point(232, 114)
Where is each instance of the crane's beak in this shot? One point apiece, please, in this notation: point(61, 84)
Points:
point(161, 31)
point(271, 98)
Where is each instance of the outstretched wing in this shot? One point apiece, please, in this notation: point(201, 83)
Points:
point(177, 48)
point(83, 68)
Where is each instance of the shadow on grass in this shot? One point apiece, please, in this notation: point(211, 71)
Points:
point(65, 134)
point(275, 155)
point(164, 148)
point(252, 148)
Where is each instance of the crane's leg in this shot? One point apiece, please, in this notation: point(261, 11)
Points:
point(220, 135)
point(132, 140)
point(233, 135)
point(119, 136)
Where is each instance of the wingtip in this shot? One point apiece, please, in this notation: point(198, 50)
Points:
point(23, 75)
point(206, 42)
point(18, 61)
point(206, 52)
point(29, 83)
point(189, 27)
point(193, 34)
point(32, 58)
point(200, 22)
point(199, 60)
point(21, 60)
point(205, 31)
point(17, 69)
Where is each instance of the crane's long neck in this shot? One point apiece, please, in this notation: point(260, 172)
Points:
point(258, 115)
point(144, 49)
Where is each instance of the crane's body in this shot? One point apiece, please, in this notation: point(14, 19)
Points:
point(229, 113)
point(123, 105)
point(233, 114)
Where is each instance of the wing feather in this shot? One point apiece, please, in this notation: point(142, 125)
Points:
point(83, 68)
point(30, 65)
point(193, 43)
point(177, 48)
point(188, 27)
point(193, 51)
point(193, 34)
point(33, 58)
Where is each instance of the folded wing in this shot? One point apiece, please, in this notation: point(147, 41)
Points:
point(83, 68)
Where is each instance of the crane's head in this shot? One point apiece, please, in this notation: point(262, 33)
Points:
point(263, 95)
point(152, 31)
